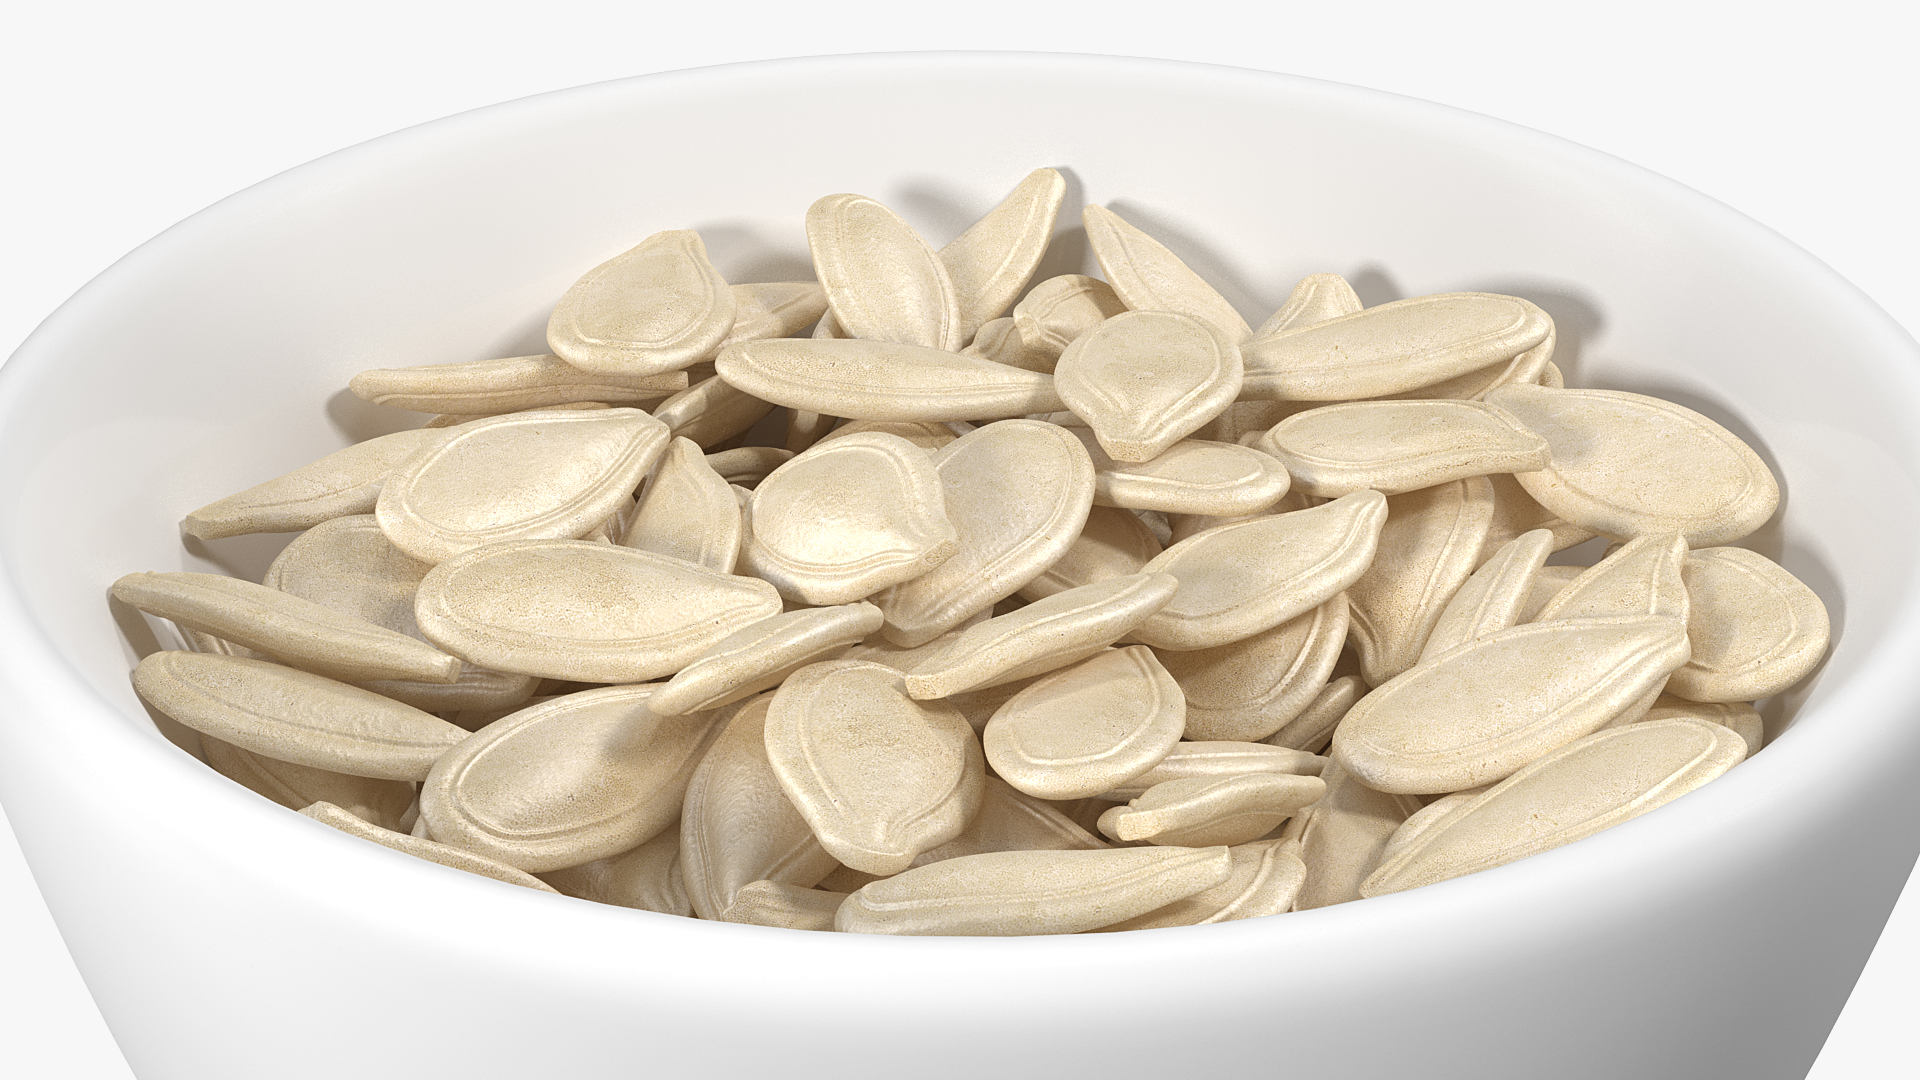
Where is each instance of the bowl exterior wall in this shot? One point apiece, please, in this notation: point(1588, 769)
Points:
point(226, 937)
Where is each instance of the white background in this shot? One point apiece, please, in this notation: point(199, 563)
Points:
point(120, 119)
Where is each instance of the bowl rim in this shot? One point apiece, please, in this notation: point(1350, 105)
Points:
point(1877, 697)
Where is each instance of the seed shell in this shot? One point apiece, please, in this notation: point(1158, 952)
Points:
point(1266, 877)
point(1641, 578)
point(1494, 597)
point(1396, 446)
point(1391, 348)
point(1193, 476)
point(1344, 835)
point(1060, 309)
point(687, 510)
point(882, 280)
point(1144, 380)
point(880, 380)
point(769, 903)
point(654, 308)
point(761, 655)
point(491, 387)
point(1313, 728)
point(347, 481)
point(1148, 277)
point(1428, 549)
point(329, 814)
point(993, 260)
point(1087, 728)
point(647, 878)
point(1113, 543)
point(1755, 628)
point(1203, 811)
point(1247, 690)
point(1318, 298)
point(296, 787)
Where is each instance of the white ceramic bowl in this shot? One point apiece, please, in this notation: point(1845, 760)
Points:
point(223, 936)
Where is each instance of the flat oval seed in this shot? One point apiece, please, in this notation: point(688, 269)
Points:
point(344, 482)
point(1548, 585)
point(1345, 834)
point(925, 434)
point(647, 878)
point(711, 411)
point(570, 609)
point(1641, 578)
point(296, 787)
point(748, 465)
point(292, 715)
point(882, 281)
point(1011, 820)
point(350, 566)
point(1017, 493)
point(1148, 277)
point(1396, 446)
point(687, 510)
point(1516, 512)
point(1211, 810)
point(1061, 629)
point(1239, 579)
point(1737, 716)
point(1393, 347)
point(1060, 309)
point(1217, 758)
point(880, 777)
point(1193, 476)
point(1627, 465)
point(1007, 893)
point(1248, 689)
point(295, 631)
point(773, 309)
point(1590, 785)
point(490, 387)
point(1085, 729)
point(1265, 879)
point(1144, 380)
point(654, 308)
point(1755, 628)
point(584, 777)
point(737, 825)
point(1428, 549)
point(525, 476)
point(1484, 710)
point(999, 341)
point(1312, 729)
point(880, 380)
point(848, 518)
point(447, 420)
point(329, 814)
point(761, 656)
point(1113, 543)
point(1423, 819)
point(993, 260)
point(1318, 298)
point(1495, 596)
point(1476, 385)
point(769, 903)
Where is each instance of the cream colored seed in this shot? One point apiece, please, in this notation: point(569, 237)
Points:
point(748, 465)
point(328, 814)
point(806, 428)
point(1087, 728)
point(880, 380)
point(880, 777)
point(925, 434)
point(350, 566)
point(1311, 730)
point(295, 631)
point(737, 825)
point(1392, 348)
point(1627, 465)
point(1428, 549)
point(1528, 367)
point(773, 309)
point(1008, 893)
point(1148, 277)
point(1059, 630)
point(1549, 583)
point(1060, 309)
point(1217, 758)
point(1344, 835)
point(1585, 787)
point(1515, 512)
point(344, 482)
point(1318, 298)
point(994, 259)
point(296, 787)
point(848, 518)
point(647, 878)
point(1737, 716)
point(1249, 689)
point(1113, 543)
point(1641, 578)
point(1192, 476)
point(1011, 820)
point(1479, 712)
point(292, 715)
point(581, 778)
point(999, 341)
point(1756, 629)
point(1396, 446)
point(1017, 493)
point(882, 281)
point(655, 308)
point(525, 476)
point(711, 411)
point(687, 510)
point(1237, 580)
point(1203, 811)
point(447, 420)
point(761, 655)
point(770, 903)
point(1265, 880)
point(1423, 819)
point(491, 387)
point(1144, 380)
point(567, 609)
point(1495, 597)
